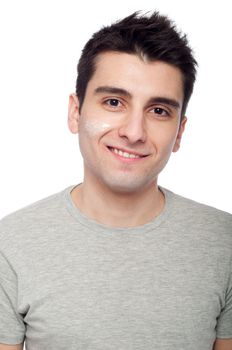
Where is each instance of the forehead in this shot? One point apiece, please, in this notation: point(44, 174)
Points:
point(138, 76)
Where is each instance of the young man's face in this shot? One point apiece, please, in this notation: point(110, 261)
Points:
point(130, 106)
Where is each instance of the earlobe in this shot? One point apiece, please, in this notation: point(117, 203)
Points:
point(179, 135)
point(73, 113)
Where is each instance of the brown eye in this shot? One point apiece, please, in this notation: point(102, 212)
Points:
point(112, 102)
point(160, 111)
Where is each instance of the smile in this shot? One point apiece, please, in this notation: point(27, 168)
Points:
point(124, 154)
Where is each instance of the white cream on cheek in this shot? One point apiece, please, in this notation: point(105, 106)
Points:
point(93, 128)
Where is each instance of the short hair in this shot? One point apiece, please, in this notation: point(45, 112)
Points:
point(154, 36)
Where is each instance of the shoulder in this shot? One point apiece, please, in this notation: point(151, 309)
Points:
point(33, 216)
point(198, 215)
point(188, 206)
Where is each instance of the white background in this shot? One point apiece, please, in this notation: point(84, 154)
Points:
point(41, 42)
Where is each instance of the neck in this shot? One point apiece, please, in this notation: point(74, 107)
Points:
point(117, 209)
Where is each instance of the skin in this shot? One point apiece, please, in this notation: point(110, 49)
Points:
point(132, 123)
point(11, 347)
point(223, 344)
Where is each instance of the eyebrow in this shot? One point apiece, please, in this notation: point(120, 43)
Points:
point(157, 99)
point(112, 90)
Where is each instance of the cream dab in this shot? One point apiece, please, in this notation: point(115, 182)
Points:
point(93, 127)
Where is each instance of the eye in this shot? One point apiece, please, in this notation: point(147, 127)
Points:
point(112, 102)
point(160, 111)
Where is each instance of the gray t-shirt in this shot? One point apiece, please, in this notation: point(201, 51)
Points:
point(69, 282)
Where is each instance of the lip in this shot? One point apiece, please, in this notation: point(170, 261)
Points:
point(128, 151)
point(123, 159)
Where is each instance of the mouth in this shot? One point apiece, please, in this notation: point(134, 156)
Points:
point(127, 155)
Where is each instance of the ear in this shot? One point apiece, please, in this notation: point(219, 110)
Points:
point(73, 113)
point(179, 135)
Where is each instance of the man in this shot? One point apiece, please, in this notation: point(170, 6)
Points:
point(119, 262)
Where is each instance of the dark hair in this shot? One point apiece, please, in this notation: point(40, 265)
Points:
point(154, 36)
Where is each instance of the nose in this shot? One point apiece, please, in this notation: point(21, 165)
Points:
point(133, 128)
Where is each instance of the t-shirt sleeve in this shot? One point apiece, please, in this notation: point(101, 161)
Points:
point(224, 323)
point(12, 327)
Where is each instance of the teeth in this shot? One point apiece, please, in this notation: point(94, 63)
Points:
point(124, 154)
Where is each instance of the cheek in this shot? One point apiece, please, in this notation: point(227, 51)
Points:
point(164, 139)
point(90, 132)
point(93, 128)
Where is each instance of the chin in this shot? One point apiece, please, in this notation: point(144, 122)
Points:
point(129, 185)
